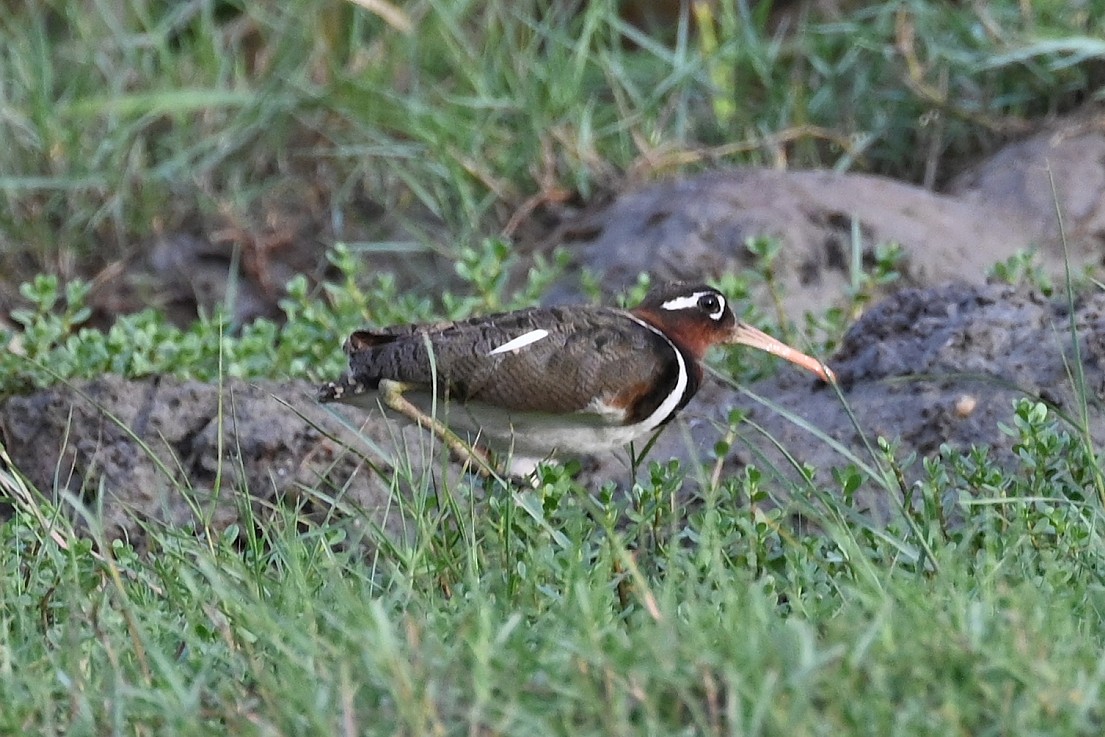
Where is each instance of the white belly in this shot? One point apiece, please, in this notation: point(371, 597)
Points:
point(542, 435)
point(525, 438)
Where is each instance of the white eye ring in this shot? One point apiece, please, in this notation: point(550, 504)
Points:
point(695, 302)
point(713, 305)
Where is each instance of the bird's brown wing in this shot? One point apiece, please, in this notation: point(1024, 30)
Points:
point(588, 354)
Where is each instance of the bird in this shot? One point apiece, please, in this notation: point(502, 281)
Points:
point(548, 381)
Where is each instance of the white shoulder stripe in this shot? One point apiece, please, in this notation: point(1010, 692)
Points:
point(520, 342)
point(671, 402)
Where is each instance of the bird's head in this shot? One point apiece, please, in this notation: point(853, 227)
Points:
point(697, 317)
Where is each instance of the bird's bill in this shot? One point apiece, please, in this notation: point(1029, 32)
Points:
point(753, 338)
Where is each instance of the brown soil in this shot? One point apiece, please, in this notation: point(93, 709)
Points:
point(142, 442)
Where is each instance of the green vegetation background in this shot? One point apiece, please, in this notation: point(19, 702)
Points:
point(557, 610)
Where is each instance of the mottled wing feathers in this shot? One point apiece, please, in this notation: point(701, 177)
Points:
point(568, 360)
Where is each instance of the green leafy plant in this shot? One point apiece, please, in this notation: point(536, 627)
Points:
point(51, 344)
point(1023, 268)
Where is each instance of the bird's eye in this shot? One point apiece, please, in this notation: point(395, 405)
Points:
point(712, 305)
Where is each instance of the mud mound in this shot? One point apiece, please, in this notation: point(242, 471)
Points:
point(923, 367)
point(697, 228)
point(1064, 163)
point(126, 449)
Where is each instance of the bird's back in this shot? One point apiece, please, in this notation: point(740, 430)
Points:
point(552, 360)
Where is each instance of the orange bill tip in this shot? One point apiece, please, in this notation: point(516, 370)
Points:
point(758, 339)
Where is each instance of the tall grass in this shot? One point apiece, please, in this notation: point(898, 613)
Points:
point(540, 611)
point(122, 120)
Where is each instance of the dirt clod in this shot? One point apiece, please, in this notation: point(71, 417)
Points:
point(126, 449)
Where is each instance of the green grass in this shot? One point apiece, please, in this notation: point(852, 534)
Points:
point(141, 116)
point(562, 611)
point(556, 610)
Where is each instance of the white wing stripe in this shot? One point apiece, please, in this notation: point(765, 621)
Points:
point(520, 342)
